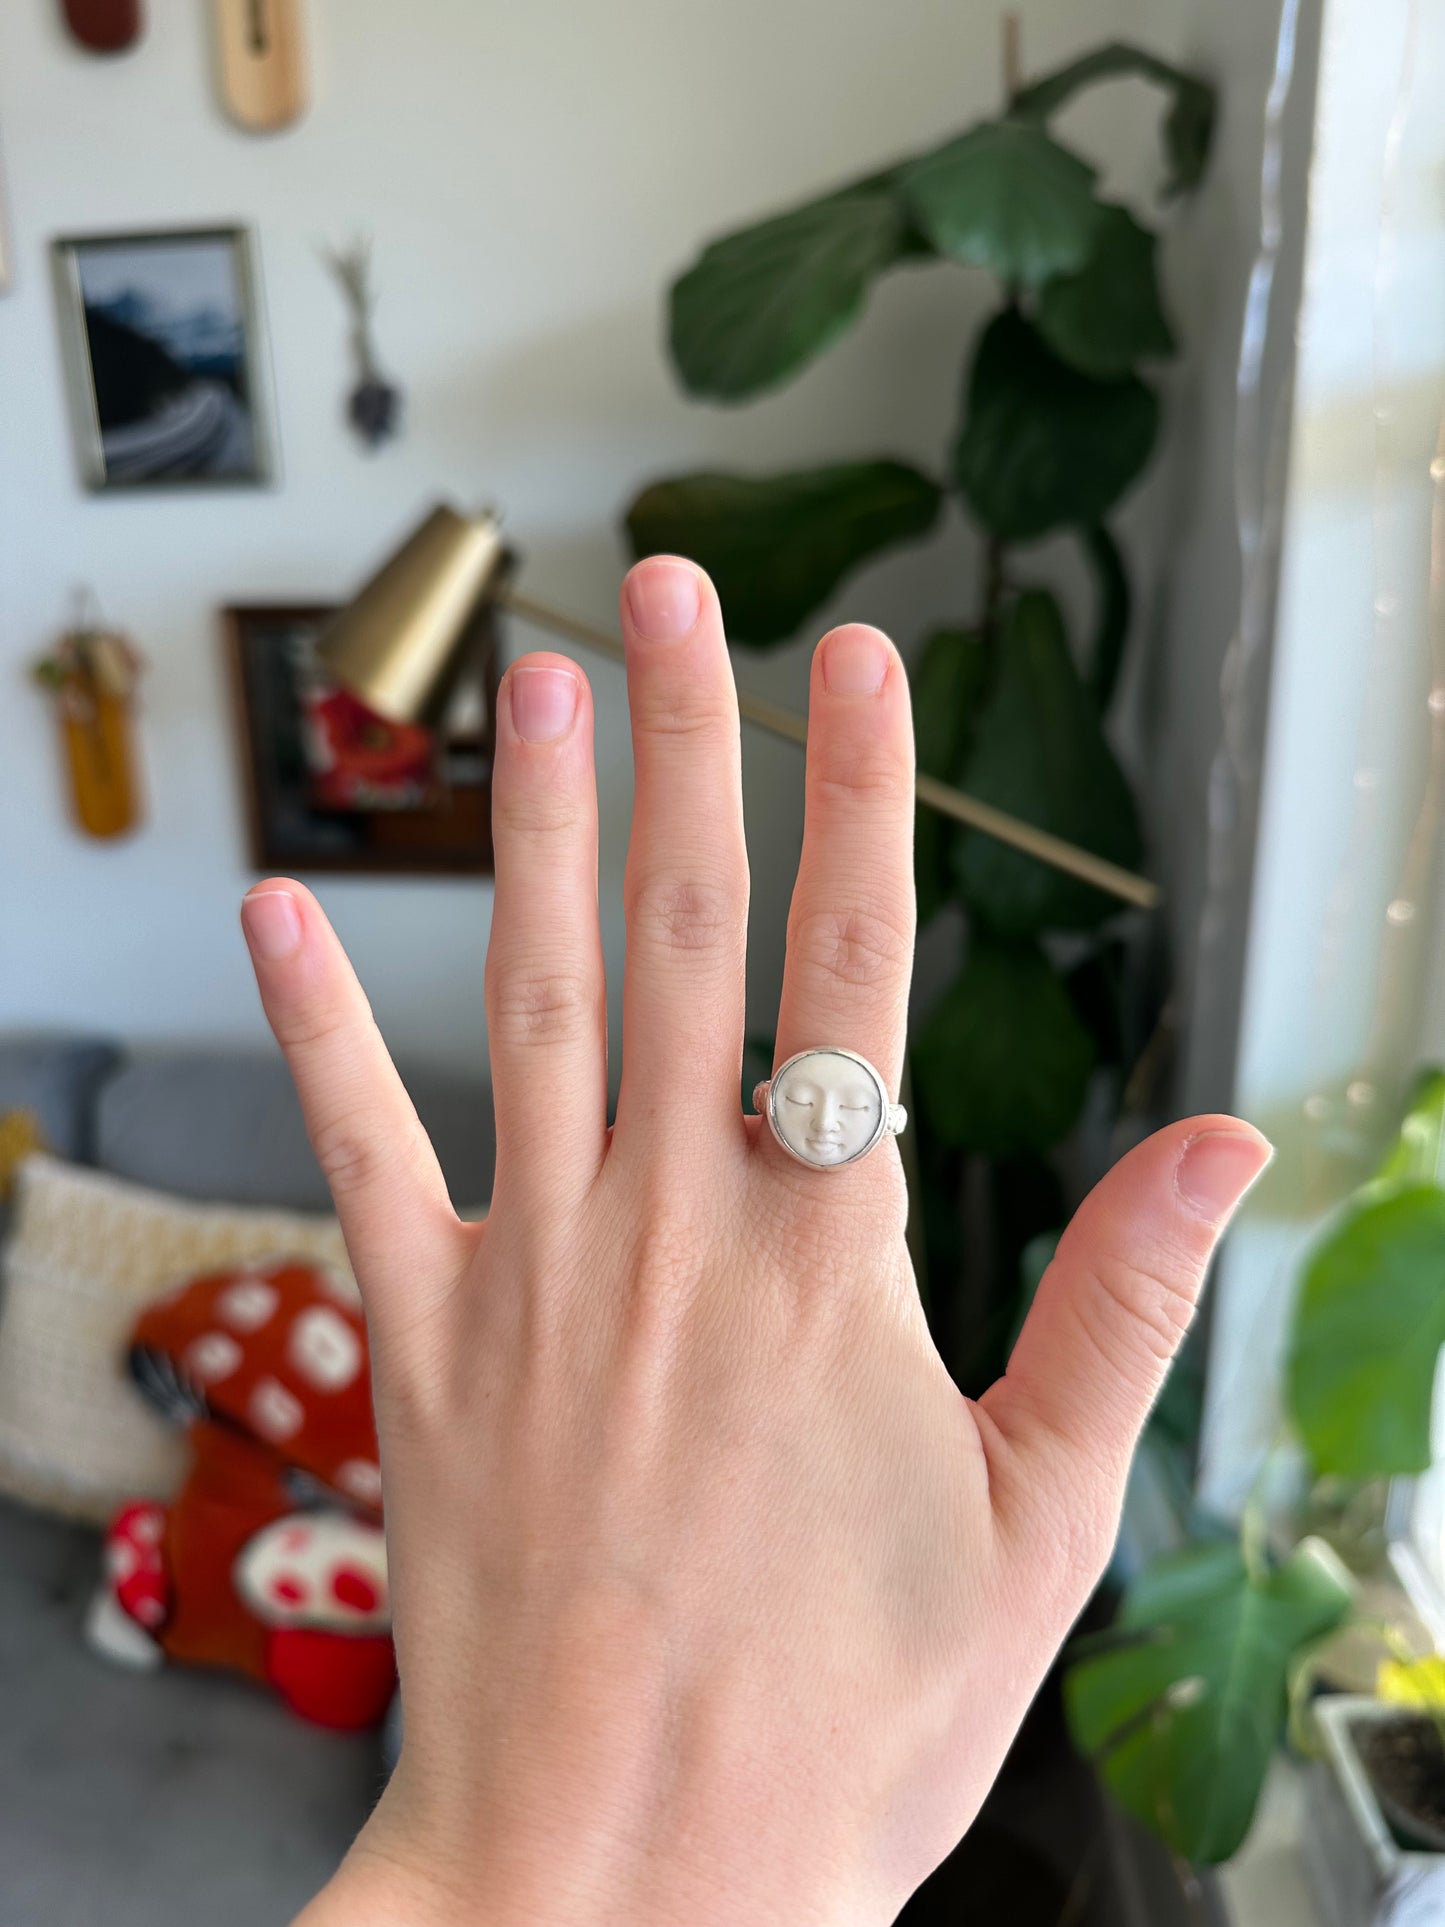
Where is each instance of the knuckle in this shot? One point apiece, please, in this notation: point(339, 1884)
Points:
point(312, 1025)
point(683, 712)
point(539, 1007)
point(684, 913)
point(873, 777)
point(351, 1155)
point(543, 810)
point(864, 947)
point(1128, 1307)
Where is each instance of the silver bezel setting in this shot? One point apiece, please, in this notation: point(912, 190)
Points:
point(891, 1117)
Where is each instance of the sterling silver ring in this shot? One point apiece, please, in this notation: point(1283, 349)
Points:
point(828, 1107)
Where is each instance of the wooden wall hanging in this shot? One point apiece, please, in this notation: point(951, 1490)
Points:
point(93, 674)
point(262, 53)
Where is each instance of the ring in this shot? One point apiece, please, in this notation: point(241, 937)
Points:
point(828, 1107)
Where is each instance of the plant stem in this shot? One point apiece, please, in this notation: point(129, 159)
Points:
point(993, 592)
point(1013, 61)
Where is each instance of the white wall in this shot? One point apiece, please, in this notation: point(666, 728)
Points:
point(531, 177)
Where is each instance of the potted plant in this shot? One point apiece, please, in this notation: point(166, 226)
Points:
point(1183, 1702)
point(1380, 1784)
point(1059, 417)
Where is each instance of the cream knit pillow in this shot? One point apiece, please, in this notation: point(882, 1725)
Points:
point(86, 1252)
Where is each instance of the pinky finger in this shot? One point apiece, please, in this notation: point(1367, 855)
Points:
point(374, 1154)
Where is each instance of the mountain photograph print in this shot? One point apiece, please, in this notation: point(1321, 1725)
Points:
point(163, 343)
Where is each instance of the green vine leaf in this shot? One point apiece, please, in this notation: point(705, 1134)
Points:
point(1002, 1063)
point(1044, 447)
point(1039, 753)
point(1107, 315)
point(1183, 1715)
point(1368, 1330)
point(948, 683)
point(761, 303)
point(777, 546)
point(1006, 197)
point(1188, 125)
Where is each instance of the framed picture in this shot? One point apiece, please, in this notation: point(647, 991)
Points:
point(164, 358)
point(330, 787)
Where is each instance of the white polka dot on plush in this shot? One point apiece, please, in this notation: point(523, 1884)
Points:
point(324, 1348)
point(248, 1305)
point(212, 1356)
point(276, 1413)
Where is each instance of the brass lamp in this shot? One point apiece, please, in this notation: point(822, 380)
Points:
point(399, 644)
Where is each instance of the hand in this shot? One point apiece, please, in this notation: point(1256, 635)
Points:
point(714, 1600)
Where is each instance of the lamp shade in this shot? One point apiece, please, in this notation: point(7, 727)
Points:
point(395, 646)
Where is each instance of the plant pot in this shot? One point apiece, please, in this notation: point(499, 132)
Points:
point(1359, 1873)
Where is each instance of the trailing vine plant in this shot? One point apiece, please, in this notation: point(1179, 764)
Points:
point(1058, 422)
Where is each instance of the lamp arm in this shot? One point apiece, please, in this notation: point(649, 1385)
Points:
point(1012, 830)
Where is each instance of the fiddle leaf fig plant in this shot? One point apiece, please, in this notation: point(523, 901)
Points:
point(1183, 1702)
point(1057, 423)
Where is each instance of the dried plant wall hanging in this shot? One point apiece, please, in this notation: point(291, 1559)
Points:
point(373, 406)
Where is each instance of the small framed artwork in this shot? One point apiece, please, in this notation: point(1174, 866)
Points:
point(164, 358)
point(332, 787)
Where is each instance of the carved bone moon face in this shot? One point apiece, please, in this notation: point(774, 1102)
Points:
point(827, 1107)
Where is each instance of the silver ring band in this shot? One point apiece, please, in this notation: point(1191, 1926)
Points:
point(828, 1107)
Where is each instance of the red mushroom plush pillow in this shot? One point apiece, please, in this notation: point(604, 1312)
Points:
point(271, 1560)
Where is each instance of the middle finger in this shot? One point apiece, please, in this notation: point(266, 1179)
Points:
point(687, 866)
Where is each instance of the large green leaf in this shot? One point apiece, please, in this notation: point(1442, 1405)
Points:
point(948, 682)
point(1005, 197)
point(1002, 1063)
point(778, 545)
point(1188, 126)
point(1038, 752)
point(760, 303)
point(1044, 447)
point(1107, 314)
point(1368, 1330)
point(1183, 1716)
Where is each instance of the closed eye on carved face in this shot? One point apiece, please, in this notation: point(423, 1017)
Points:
point(831, 1109)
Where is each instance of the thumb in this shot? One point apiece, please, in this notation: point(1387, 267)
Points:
point(1113, 1307)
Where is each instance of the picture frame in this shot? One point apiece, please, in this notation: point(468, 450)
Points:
point(270, 653)
point(164, 357)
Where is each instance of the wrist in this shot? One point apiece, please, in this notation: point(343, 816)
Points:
point(384, 1885)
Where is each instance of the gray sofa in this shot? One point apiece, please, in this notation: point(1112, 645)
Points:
point(173, 1798)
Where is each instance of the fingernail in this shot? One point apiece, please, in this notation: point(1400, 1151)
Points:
point(544, 701)
point(855, 661)
point(664, 599)
point(272, 923)
point(1216, 1170)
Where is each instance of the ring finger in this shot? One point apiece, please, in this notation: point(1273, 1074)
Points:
point(850, 928)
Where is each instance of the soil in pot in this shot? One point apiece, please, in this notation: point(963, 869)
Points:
point(1405, 1760)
